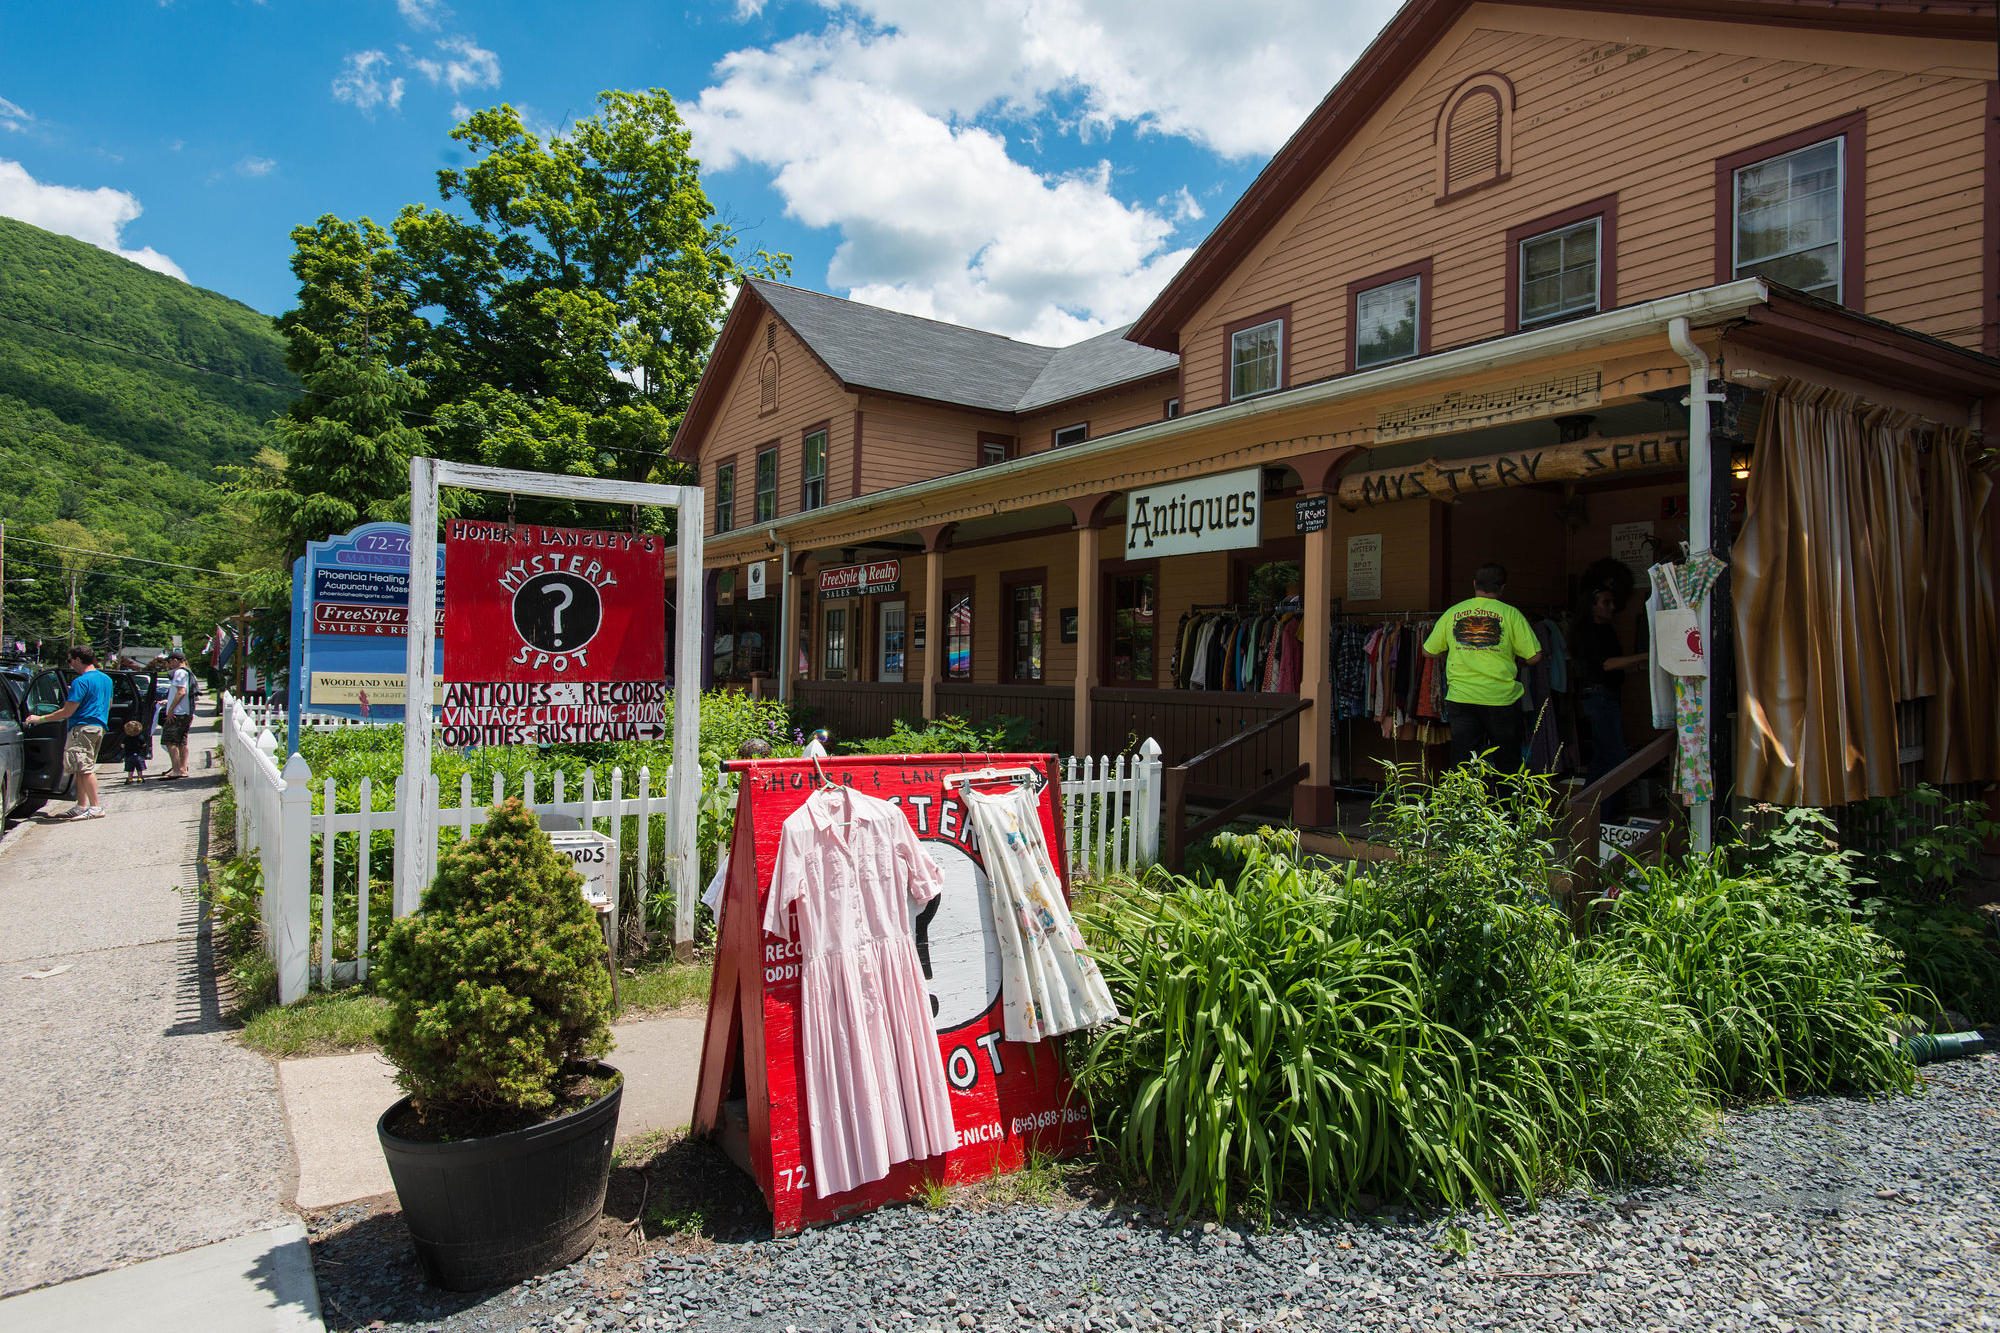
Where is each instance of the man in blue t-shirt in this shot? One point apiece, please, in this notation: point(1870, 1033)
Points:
point(89, 713)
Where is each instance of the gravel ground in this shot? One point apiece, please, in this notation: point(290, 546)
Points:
point(1825, 1214)
point(132, 1125)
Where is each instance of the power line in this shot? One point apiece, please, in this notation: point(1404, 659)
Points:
point(138, 559)
point(127, 578)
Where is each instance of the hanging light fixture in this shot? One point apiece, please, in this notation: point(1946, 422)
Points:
point(1739, 462)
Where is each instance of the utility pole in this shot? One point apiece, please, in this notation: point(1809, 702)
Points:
point(3, 585)
point(75, 577)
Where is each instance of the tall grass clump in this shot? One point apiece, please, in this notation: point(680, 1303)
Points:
point(1790, 994)
point(1303, 1035)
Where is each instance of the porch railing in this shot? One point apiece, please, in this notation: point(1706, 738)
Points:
point(1176, 833)
point(1583, 823)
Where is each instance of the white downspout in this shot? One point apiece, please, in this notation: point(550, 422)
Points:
point(1701, 533)
point(784, 618)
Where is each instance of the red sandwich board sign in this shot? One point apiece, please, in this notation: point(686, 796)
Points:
point(559, 635)
point(1005, 1096)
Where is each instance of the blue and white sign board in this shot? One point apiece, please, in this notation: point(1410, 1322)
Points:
point(350, 602)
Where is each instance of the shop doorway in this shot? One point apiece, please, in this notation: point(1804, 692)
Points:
point(890, 640)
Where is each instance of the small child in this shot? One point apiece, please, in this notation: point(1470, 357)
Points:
point(135, 752)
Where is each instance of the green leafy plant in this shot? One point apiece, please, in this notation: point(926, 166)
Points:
point(1948, 954)
point(946, 735)
point(1788, 997)
point(1925, 842)
point(497, 989)
point(235, 892)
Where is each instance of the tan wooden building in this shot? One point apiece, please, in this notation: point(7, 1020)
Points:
point(1454, 320)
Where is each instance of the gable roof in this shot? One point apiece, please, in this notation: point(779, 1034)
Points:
point(867, 347)
point(1396, 51)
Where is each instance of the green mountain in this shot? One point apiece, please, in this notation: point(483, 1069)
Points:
point(122, 392)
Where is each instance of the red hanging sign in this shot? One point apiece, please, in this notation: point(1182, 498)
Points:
point(1005, 1096)
point(532, 603)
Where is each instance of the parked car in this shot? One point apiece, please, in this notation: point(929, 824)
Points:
point(40, 747)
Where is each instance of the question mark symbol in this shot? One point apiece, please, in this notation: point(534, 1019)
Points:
point(561, 590)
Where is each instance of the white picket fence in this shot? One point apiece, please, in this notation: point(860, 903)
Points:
point(272, 716)
point(1111, 817)
point(1111, 811)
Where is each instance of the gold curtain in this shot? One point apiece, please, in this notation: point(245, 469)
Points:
point(1860, 581)
point(1963, 740)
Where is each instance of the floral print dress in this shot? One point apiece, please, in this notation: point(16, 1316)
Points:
point(1048, 985)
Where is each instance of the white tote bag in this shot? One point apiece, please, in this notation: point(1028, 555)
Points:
point(1677, 645)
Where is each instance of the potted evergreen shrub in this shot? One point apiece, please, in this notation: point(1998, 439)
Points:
point(500, 1003)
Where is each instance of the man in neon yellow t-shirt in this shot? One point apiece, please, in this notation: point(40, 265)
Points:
point(1483, 641)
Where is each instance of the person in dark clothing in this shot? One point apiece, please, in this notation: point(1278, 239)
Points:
point(1598, 661)
point(135, 742)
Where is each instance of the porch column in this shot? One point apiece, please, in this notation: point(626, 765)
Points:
point(799, 596)
point(937, 540)
point(1089, 516)
point(1313, 801)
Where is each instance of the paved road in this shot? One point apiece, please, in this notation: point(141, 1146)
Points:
point(131, 1125)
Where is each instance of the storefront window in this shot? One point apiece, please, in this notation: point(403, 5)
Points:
point(1024, 639)
point(958, 633)
point(1270, 583)
point(746, 632)
point(1132, 628)
point(834, 658)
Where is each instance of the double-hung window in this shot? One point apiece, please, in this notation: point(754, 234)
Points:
point(1256, 359)
point(767, 484)
point(725, 497)
point(958, 631)
point(812, 489)
point(1787, 218)
point(991, 452)
point(1385, 322)
point(833, 656)
point(1558, 273)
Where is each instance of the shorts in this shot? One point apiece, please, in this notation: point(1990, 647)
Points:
point(80, 748)
point(174, 729)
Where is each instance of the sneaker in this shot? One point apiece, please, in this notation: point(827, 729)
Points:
point(78, 812)
point(94, 812)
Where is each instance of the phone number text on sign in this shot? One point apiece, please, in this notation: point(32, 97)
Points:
point(552, 713)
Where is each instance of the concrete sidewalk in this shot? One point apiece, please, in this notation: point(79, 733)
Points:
point(133, 1125)
point(259, 1283)
point(333, 1101)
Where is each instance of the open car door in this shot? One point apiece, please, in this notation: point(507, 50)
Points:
point(131, 697)
point(42, 757)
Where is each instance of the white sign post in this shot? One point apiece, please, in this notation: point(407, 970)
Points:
point(416, 838)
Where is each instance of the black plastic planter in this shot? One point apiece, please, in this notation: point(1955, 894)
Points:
point(486, 1212)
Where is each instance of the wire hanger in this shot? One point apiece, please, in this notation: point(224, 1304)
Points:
point(1032, 778)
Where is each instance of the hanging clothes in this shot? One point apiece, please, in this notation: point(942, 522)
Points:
point(875, 1091)
point(1685, 587)
point(1048, 985)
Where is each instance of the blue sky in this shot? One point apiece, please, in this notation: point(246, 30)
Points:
point(1036, 167)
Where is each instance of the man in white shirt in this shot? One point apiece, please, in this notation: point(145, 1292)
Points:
point(177, 714)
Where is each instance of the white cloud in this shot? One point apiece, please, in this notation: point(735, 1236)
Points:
point(13, 116)
point(465, 65)
point(421, 13)
point(95, 216)
point(361, 84)
point(890, 123)
point(256, 166)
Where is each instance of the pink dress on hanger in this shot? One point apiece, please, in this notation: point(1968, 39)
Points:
point(874, 1089)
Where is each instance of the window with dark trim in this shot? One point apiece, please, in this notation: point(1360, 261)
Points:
point(1132, 629)
point(1257, 359)
point(1385, 321)
point(994, 449)
point(1563, 265)
point(958, 630)
point(833, 638)
point(1024, 600)
point(812, 485)
point(1066, 435)
point(767, 484)
point(1173, 409)
point(1558, 273)
point(725, 497)
point(1786, 219)
point(1793, 210)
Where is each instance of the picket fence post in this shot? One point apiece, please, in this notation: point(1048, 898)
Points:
point(294, 886)
point(1149, 802)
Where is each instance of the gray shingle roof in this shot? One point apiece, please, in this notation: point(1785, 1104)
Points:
point(872, 348)
point(1094, 363)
